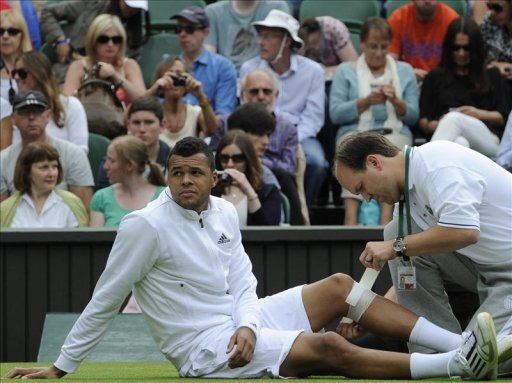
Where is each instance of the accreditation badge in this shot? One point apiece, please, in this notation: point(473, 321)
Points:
point(406, 276)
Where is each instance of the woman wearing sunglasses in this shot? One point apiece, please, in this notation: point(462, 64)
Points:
point(105, 44)
point(14, 39)
point(173, 81)
point(241, 181)
point(33, 71)
point(496, 29)
point(461, 100)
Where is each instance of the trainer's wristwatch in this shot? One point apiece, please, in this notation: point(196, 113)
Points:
point(400, 247)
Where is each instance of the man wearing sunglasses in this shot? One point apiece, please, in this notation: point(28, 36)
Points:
point(79, 15)
point(215, 72)
point(496, 30)
point(302, 89)
point(31, 115)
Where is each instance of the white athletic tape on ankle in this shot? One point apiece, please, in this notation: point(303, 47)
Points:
point(359, 300)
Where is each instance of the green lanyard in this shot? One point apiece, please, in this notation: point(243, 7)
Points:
point(408, 151)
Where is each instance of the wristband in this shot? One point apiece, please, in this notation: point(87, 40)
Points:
point(60, 40)
point(204, 104)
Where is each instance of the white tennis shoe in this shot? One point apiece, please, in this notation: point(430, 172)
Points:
point(477, 357)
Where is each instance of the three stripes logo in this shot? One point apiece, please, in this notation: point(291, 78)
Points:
point(223, 239)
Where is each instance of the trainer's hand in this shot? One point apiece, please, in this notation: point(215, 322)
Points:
point(245, 340)
point(35, 373)
point(350, 331)
point(376, 254)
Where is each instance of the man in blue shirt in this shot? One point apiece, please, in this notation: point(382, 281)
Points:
point(215, 72)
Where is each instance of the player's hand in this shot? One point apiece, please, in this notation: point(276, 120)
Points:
point(242, 342)
point(376, 254)
point(35, 373)
point(350, 331)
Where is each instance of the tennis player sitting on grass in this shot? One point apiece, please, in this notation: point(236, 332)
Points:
point(183, 257)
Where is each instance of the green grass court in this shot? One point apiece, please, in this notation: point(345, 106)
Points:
point(158, 372)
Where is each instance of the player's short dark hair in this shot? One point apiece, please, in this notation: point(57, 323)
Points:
point(189, 146)
point(354, 149)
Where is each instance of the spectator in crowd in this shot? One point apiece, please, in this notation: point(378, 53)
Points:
point(105, 44)
point(182, 119)
point(216, 73)
point(144, 120)
point(14, 39)
point(79, 15)
point(135, 181)
point(504, 156)
point(5, 124)
point(326, 41)
point(418, 33)
point(231, 30)
point(28, 9)
point(301, 86)
point(496, 29)
point(461, 100)
point(33, 71)
point(454, 227)
point(31, 114)
point(261, 127)
point(38, 203)
point(206, 318)
point(374, 93)
point(256, 202)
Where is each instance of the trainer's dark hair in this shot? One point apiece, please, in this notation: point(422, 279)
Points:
point(189, 146)
point(252, 118)
point(147, 104)
point(353, 150)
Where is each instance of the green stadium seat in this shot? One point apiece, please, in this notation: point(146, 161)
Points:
point(356, 10)
point(285, 205)
point(98, 145)
point(162, 10)
point(154, 51)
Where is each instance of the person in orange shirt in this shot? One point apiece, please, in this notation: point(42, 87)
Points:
point(418, 33)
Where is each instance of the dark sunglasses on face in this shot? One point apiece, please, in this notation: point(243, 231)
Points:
point(237, 158)
point(456, 47)
point(256, 91)
point(189, 29)
point(10, 31)
point(104, 39)
point(31, 110)
point(495, 7)
point(21, 72)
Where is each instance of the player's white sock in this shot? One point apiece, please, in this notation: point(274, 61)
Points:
point(433, 365)
point(427, 334)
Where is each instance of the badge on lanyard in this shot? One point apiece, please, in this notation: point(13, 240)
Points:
point(406, 269)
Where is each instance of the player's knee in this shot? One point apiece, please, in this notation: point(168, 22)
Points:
point(343, 283)
point(336, 348)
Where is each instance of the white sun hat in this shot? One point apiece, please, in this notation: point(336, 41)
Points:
point(280, 19)
point(143, 4)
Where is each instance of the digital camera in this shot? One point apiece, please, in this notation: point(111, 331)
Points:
point(224, 178)
point(179, 80)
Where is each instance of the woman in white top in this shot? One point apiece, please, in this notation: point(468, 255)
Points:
point(182, 120)
point(38, 203)
point(14, 39)
point(105, 44)
point(5, 123)
point(33, 71)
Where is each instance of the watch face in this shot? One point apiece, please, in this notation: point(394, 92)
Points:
point(398, 245)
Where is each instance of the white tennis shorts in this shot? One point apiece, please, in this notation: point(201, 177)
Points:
point(283, 319)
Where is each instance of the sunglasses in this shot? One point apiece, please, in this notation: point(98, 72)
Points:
point(189, 29)
point(256, 91)
point(21, 72)
point(237, 158)
point(10, 31)
point(31, 110)
point(104, 39)
point(456, 47)
point(494, 7)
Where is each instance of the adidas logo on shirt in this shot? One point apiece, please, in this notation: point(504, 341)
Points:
point(223, 239)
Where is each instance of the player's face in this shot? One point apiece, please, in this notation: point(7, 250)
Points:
point(371, 183)
point(191, 181)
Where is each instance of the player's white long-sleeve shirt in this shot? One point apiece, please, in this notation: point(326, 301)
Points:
point(189, 273)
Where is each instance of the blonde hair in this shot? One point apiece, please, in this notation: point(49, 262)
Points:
point(18, 21)
point(131, 148)
point(98, 27)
